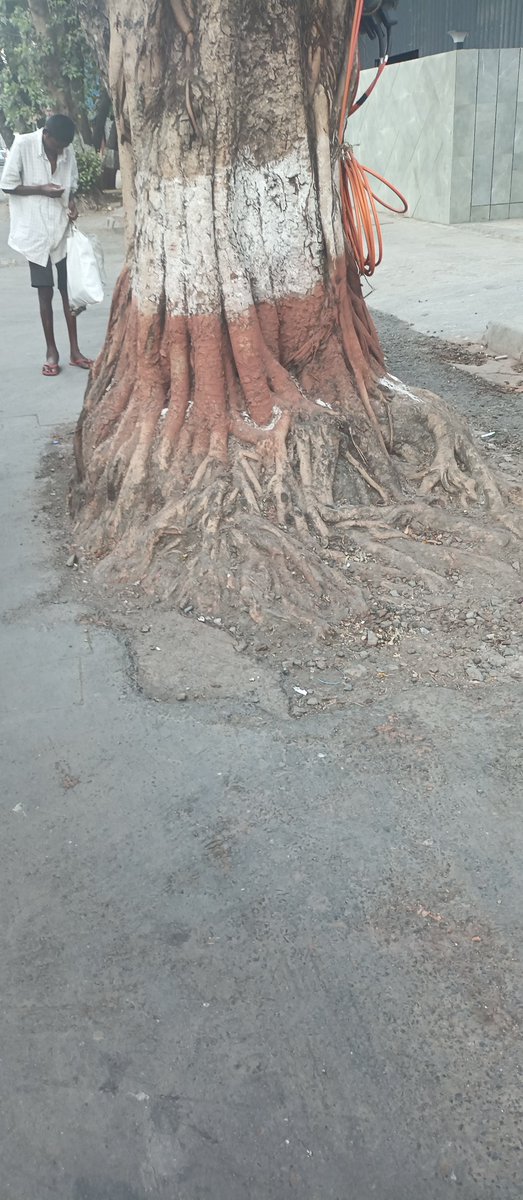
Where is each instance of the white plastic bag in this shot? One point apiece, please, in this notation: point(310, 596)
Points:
point(84, 277)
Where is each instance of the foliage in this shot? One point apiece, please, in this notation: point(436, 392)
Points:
point(89, 169)
point(45, 64)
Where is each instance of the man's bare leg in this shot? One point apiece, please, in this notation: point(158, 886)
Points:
point(45, 298)
point(77, 358)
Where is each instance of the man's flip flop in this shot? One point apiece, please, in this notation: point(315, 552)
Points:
point(50, 369)
point(85, 363)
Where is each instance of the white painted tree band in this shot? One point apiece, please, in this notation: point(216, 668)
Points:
point(246, 235)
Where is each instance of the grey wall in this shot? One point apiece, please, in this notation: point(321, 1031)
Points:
point(487, 174)
point(448, 131)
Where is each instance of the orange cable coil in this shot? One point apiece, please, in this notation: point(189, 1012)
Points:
point(359, 202)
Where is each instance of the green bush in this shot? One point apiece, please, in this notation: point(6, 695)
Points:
point(89, 170)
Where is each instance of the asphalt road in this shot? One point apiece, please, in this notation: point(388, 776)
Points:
point(427, 362)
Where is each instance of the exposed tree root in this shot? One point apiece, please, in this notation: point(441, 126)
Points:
point(276, 531)
point(455, 465)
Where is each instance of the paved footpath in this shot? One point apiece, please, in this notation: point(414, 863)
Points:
point(220, 977)
point(453, 280)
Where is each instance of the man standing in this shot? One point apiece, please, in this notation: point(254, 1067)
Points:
point(40, 177)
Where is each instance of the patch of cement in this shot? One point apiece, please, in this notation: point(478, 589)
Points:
point(178, 658)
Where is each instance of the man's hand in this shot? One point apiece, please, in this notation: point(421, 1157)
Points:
point(72, 211)
point(52, 189)
point(35, 189)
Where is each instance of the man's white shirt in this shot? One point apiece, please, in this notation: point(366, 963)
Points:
point(39, 224)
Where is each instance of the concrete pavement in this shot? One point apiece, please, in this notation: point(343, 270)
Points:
point(453, 281)
point(238, 959)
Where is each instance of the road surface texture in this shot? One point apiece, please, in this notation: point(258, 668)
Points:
point(243, 956)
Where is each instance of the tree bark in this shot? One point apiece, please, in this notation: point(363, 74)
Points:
point(240, 410)
point(103, 109)
point(5, 130)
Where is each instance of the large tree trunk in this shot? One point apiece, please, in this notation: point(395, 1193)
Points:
point(5, 130)
point(103, 109)
point(240, 412)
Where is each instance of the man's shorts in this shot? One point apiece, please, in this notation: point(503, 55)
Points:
point(43, 276)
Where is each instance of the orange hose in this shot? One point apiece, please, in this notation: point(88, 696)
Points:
point(358, 12)
point(359, 213)
point(357, 104)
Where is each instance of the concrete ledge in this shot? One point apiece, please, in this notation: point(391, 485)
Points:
point(504, 339)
